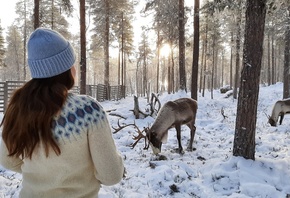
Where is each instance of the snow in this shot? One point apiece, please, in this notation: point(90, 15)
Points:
point(209, 171)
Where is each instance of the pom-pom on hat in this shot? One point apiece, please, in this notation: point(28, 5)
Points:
point(49, 53)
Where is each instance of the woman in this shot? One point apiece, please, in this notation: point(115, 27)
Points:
point(60, 142)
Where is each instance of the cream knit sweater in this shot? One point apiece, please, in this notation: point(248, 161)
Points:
point(88, 155)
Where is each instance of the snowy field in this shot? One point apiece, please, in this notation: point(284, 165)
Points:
point(209, 172)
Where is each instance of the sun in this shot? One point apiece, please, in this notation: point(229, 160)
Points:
point(165, 50)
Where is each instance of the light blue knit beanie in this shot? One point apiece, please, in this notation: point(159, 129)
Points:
point(49, 53)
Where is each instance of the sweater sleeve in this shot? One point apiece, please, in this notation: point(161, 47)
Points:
point(11, 163)
point(107, 160)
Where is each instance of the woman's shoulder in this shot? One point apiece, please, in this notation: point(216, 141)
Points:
point(79, 113)
point(83, 101)
point(83, 106)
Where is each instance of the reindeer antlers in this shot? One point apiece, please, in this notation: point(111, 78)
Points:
point(122, 127)
point(138, 137)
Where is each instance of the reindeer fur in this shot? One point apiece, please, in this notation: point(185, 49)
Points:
point(280, 108)
point(173, 114)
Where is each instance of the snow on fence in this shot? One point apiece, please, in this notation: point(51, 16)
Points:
point(100, 92)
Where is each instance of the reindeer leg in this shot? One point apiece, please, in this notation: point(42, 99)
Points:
point(281, 118)
point(178, 134)
point(192, 134)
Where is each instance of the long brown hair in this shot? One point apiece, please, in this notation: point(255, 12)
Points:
point(29, 114)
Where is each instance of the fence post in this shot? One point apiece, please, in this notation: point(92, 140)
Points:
point(89, 90)
point(108, 92)
point(123, 91)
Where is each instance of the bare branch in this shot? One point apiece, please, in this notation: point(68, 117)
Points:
point(118, 115)
point(110, 110)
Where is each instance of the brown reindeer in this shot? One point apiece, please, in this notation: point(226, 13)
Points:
point(280, 108)
point(173, 114)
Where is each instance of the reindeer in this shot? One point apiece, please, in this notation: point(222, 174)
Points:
point(280, 108)
point(173, 114)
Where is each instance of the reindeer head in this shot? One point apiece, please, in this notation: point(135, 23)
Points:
point(154, 141)
point(272, 122)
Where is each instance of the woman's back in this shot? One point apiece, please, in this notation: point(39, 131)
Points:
point(61, 143)
point(86, 160)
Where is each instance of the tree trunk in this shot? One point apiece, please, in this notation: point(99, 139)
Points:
point(201, 69)
point(182, 74)
point(136, 108)
point(273, 59)
point(195, 55)
point(125, 76)
point(231, 61)
point(172, 66)
point(173, 73)
point(279, 71)
point(286, 61)
point(122, 51)
point(269, 61)
point(137, 80)
point(119, 66)
point(106, 46)
point(223, 68)
point(238, 43)
point(83, 47)
point(205, 58)
point(36, 14)
point(244, 140)
point(144, 71)
point(52, 14)
point(169, 76)
point(212, 67)
point(158, 60)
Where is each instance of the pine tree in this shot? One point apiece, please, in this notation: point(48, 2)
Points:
point(123, 31)
point(112, 21)
point(143, 59)
point(195, 55)
point(14, 55)
point(166, 23)
point(244, 140)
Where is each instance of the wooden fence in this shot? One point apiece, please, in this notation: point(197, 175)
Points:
point(2, 88)
point(100, 92)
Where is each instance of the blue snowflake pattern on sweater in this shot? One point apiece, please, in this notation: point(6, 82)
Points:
point(79, 113)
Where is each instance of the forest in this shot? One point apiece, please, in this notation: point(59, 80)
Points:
point(149, 62)
point(236, 45)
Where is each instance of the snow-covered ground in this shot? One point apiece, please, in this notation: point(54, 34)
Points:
point(209, 172)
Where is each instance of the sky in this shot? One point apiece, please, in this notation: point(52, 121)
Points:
point(211, 171)
point(7, 12)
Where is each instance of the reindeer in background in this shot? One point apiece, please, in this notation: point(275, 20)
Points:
point(173, 114)
point(280, 108)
